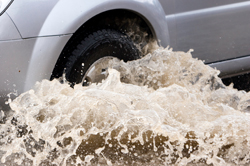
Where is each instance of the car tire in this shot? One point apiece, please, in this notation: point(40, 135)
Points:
point(97, 45)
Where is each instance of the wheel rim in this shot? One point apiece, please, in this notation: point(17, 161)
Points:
point(97, 71)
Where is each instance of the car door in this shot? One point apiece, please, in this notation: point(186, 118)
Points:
point(217, 30)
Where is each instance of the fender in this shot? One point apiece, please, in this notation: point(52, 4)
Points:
point(77, 12)
point(63, 17)
point(60, 17)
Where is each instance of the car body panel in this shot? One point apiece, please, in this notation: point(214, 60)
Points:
point(12, 32)
point(43, 60)
point(232, 67)
point(210, 29)
point(57, 17)
point(29, 15)
point(14, 61)
point(21, 68)
point(14, 68)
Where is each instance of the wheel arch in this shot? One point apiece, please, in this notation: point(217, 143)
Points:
point(104, 20)
point(66, 17)
point(76, 15)
point(97, 22)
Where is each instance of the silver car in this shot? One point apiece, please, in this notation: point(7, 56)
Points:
point(42, 39)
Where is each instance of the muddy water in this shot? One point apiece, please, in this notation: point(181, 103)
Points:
point(164, 109)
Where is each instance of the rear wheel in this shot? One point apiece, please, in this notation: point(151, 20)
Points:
point(88, 62)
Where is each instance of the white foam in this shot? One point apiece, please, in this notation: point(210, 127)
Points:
point(169, 108)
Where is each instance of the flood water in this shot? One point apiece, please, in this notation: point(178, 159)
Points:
point(164, 109)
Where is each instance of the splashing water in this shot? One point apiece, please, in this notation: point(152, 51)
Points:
point(164, 109)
